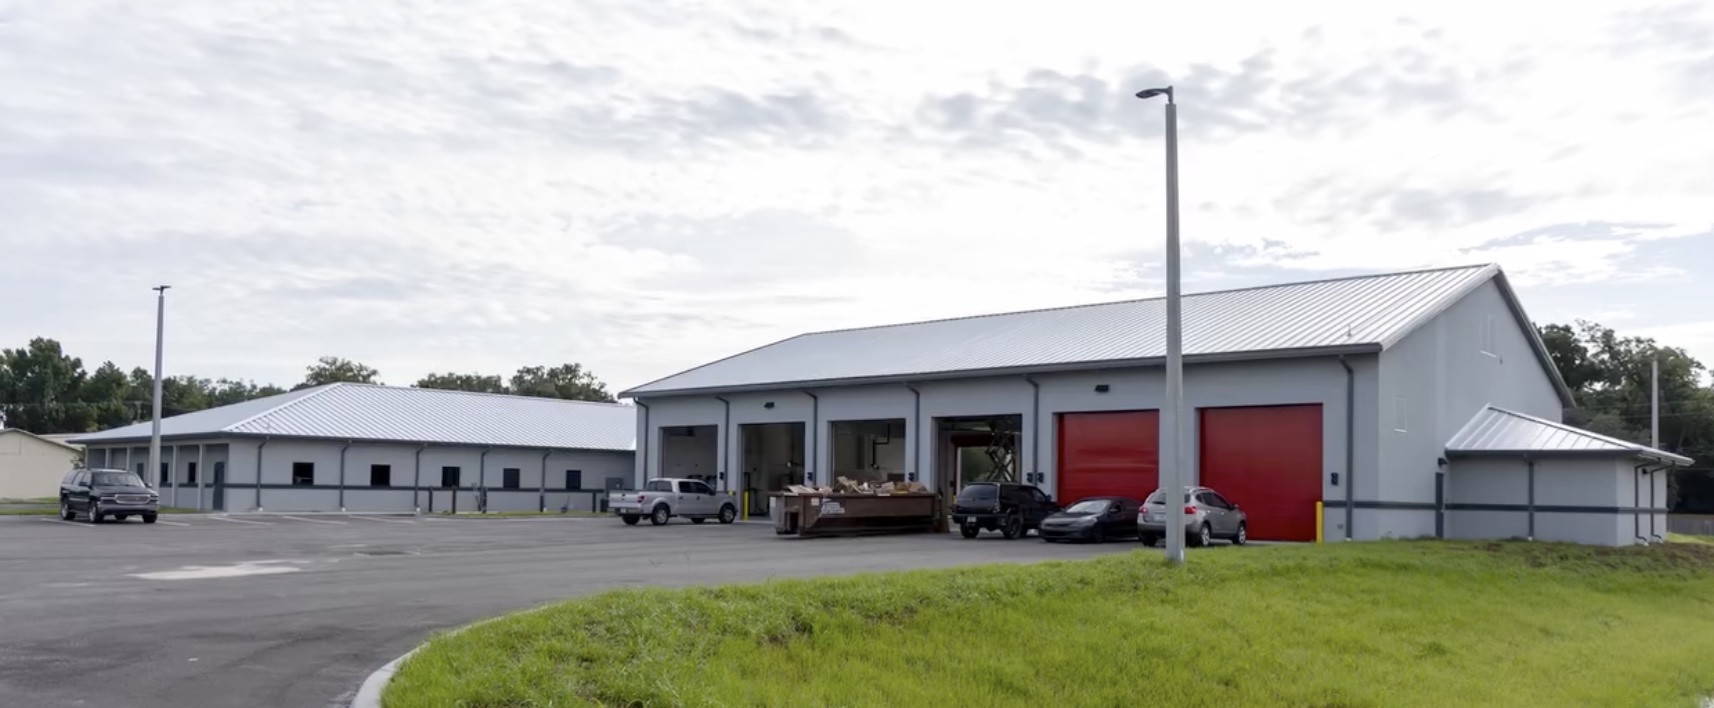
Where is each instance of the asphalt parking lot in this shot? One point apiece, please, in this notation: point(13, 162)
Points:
point(295, 611)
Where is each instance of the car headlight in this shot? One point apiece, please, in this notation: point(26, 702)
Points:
point(1086, 520)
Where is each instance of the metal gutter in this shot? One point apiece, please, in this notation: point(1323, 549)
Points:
point(417, 482)
point(1035, 436)
point(342, 475)
point(259, 449)
point(915, 431)
point(201, 475)
point(1530, 461)
point(1637, 502)
point(814, 436)
point(1003, 372)
point(725, 444)
point(481, 481)
point(542, 493)
point(642, 443)
point(1350, 443)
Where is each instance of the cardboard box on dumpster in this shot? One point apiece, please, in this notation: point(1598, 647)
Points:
point(845, 485)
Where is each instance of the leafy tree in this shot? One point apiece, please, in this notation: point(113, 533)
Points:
point(477, 383)
point(225, 392)
point(39, 383)
point(566, 381)
point(332, 369)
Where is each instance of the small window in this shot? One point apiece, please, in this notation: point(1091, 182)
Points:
point(659, 485)
point(70, 478)
point(190, 473)
point(303, 474)
point(380, 475)
point(141, 468)
point(697, 488)
point(1401, 413)
point(1217, 501)
point(220, 472)
point(1486, 336)
point(574, 479)
point(166, 472)
point(510, 478)
point(449, 476)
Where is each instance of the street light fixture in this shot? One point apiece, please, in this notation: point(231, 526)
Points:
point(1172, 472)
point(155, 428)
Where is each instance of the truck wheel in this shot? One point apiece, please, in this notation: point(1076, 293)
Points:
point(66, 512)
point(1013, 527)
point(728, 514)
point(660, 515)
point(148, 518)
point(969, 530)
point(630, 519)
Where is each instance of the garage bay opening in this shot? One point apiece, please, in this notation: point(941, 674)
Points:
point(691, 452)
point(870, 450)
point(772, 455)
point(977, 449)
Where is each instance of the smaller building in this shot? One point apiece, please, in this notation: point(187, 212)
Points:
point(371, 448)
point(31, 465)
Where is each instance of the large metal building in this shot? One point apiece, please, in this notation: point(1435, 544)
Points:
point(370, 448)
point(1346, 392)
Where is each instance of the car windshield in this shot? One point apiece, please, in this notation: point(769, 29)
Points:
point(1087, 507)
point(1157, 497)
point(979, 492)
point(115, 479)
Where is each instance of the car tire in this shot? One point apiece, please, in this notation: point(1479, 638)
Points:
point(148, 518)
point(95, 513)
point(728, 514)
point(1203, 534)
point(630, 519)
point(1013, 527)
point(1243, 535)
point(661, 515)
point(65, 511)
point(1147, 539)
point(1099, 535)
point(969, 530)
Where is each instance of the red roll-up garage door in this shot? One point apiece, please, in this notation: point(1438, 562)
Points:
point(1108, 453)
point(1267, 460)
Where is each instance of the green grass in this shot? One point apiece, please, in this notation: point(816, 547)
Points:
point(1687, 538)
point(1373, 624)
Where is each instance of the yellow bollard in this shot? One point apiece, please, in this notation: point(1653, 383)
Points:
point(744, 511)
point(1318, 522)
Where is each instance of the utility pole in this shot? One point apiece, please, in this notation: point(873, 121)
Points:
point(1172, 471)
point(155, 427)
point(1654, 402)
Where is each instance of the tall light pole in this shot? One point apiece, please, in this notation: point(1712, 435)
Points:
point(155, 428)
point(1172, 471)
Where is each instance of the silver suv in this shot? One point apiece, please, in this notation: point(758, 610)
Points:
point(1207, 516)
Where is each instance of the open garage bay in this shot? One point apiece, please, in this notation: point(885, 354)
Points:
point(289, 611)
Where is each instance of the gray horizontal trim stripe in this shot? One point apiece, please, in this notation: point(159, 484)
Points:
point(226, 438)
point(643, 393)
point(1539, 508)
point(396, 488)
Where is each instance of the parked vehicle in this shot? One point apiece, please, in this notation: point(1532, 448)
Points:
point(665, 499)
point(1207, 516)
point(1008, 507)
point(101, 493)
point(1094, 519)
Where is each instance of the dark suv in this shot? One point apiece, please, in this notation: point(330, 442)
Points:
point(1008, 507)
point(103, 493)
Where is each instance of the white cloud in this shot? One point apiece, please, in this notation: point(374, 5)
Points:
point(427, 185)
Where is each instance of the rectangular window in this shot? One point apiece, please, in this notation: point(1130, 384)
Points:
point(449, 476)
point(141, 468)
point(574, 479)
point(1486, 336)
point(303, 474)
point(380, 475)
point(190, 473)
point(1401, 413)
point(166, 473)
point(219, 472)
point(510, 478)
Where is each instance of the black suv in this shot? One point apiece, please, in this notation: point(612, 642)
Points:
point(1008, 507)
point(103, 493)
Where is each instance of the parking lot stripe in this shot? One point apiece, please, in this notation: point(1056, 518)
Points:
point(240, 521)
point(314, 521)
point(72, 523)
point(389, 521)
point(171, 523)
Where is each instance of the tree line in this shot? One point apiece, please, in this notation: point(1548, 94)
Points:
point(44, 390)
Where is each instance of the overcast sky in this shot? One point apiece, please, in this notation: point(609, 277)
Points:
point(428, 185)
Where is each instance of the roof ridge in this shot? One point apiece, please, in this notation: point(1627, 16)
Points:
point(1110, 303)
point(288, 404)
point(453, 391)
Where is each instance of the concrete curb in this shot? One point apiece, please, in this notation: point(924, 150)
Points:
point(369, 694)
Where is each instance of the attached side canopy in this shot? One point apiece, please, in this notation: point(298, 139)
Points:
point(1496, 431)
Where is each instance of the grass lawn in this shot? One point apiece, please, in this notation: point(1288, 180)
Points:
point(1687, 538)
point(1400, 623)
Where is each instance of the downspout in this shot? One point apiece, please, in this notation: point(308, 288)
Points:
point(725, 443)
point(1530, 535)
point(1035, 476)
point(482, 481)
point(259, 449)
point(1350, 442)
point(342, 475)
point(814, 460)
point(173, 474)
point(201, 475)
point(643, 443)
point(542, 495)
point(916, 434)
point(1653, 535)
point(1637, 503)
point(417, 483)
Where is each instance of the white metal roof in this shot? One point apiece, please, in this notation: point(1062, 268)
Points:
point(51, 439)
point(348, 411)
point(1500, 431)
point(1345, 315)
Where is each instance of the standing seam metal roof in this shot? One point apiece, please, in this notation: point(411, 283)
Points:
point(1500, 431)
point(1364, 313)
point(368, 412)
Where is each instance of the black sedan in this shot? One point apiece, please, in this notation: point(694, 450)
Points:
point(1094, 519)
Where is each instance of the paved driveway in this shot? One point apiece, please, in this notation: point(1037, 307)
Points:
point(248, 611)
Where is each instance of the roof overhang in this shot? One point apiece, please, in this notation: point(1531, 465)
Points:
point(1657, 456)
point(223, 436)
point(1056, 368)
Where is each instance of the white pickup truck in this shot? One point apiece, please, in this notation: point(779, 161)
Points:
point(663, 499)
